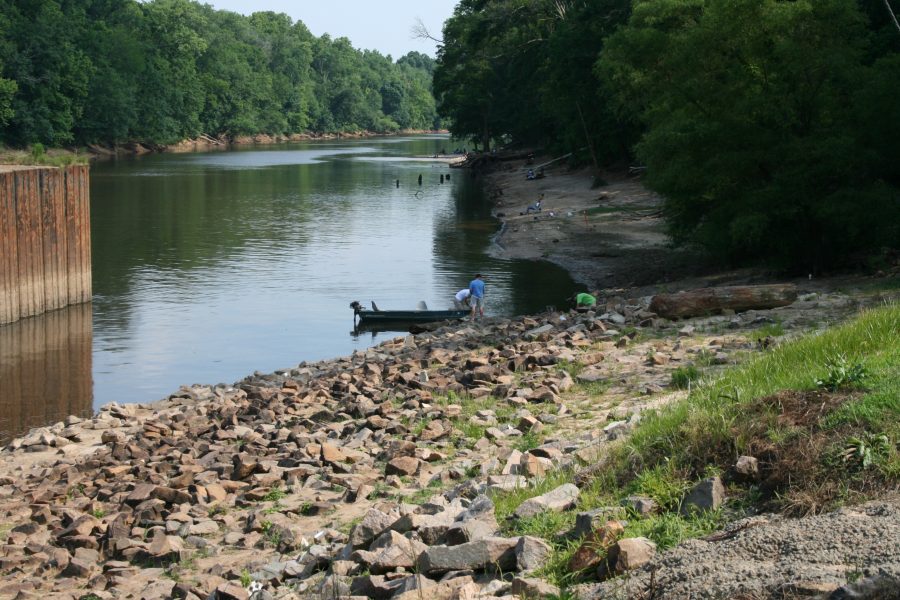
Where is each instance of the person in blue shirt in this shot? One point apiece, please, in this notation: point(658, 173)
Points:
point(476, 296)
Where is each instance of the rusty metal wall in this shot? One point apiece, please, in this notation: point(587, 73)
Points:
point(45, 240)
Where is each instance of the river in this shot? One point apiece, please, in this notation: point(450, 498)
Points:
point(209, 266)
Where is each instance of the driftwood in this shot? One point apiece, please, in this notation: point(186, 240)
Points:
point(706, 301)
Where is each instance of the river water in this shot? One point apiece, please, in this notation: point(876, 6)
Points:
point(209, 266)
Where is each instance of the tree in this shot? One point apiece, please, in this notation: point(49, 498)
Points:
point(754, 147)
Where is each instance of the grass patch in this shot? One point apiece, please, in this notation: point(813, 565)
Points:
point(572, 368)
point(684, 377)
point(529, 441)
point(669, 529)
point(593, 388)
point(775, 329)
point(817, 445)
point(773, 408)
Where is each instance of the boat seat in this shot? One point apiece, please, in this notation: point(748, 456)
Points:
point(421, 305)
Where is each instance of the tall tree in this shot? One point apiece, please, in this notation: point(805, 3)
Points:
point(754, 147)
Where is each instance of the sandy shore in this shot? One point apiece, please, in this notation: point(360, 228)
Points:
point(609, 237)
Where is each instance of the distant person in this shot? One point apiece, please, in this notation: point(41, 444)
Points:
point(530, 174)
point(476, 296)
point(461, 299)
point(584, 301)
point(536, 207)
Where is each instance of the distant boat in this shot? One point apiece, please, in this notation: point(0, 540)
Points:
point(375, 316)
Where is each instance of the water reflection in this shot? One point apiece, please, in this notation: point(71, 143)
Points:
point(209, 266)
point(45, 369)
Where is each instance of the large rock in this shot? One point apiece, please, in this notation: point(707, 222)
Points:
point(372, 525)
point(390, 552)
point(531, 553)
point(707, 495)
point(402, 465)
point(557, 500)
point(627, 555)
point(492, 552)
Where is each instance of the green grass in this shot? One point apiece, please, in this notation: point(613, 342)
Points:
point(668, 529)
point(528, 441)
point(274, 495)
point(572, 368)
point(721, 419)
point(685, 377)
point(843, 443)
point(775, 329)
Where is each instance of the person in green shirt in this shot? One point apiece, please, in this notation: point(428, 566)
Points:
point(584, 301)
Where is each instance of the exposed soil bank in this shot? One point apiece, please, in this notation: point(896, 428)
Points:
point(206, 143)
point(611, 238)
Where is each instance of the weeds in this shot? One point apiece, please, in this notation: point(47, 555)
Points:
point(841, 374)
point(684, 377)
point(274, 495)
point(866, 450)
point(529, 441)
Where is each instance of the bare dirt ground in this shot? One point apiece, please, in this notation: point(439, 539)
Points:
point(611, 238)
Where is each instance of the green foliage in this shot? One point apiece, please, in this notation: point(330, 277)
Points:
point(160, 71)
point(866, 450)
point(661, 483)
point(684, 377)
point(769, 329)
point(668, 529)
point(522, 70)
point(760, 151)
point(528, 441)
point(841, 374)
point(274, 495)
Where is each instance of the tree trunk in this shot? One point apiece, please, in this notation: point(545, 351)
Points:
point(705, 301)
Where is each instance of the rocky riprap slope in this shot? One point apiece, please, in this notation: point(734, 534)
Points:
point(366, 476)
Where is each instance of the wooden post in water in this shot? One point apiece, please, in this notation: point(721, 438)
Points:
point(45, 239)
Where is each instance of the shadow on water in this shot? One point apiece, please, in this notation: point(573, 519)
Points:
point(45, 369)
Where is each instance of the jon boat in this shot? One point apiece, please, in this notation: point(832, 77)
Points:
point(375, 316)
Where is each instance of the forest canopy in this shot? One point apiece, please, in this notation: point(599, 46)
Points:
point(75, 72)
point(770, 127)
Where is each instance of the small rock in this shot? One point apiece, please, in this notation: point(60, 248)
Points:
point(527, 587)
point(706, 495)
point(747, 466)
point(402, 465)
point(557, 500)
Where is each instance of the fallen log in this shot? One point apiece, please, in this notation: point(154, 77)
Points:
point(707, 301)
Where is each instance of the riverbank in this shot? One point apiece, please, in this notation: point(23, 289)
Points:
point(385, 473)
point(610, 237)
point(505, 457)
point(203, 143)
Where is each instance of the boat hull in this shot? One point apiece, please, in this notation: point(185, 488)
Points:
point(371, 317)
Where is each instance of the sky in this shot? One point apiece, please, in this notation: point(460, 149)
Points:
point(383, 25)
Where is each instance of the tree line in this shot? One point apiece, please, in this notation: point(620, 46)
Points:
point(76, 72)
point(770, 127)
